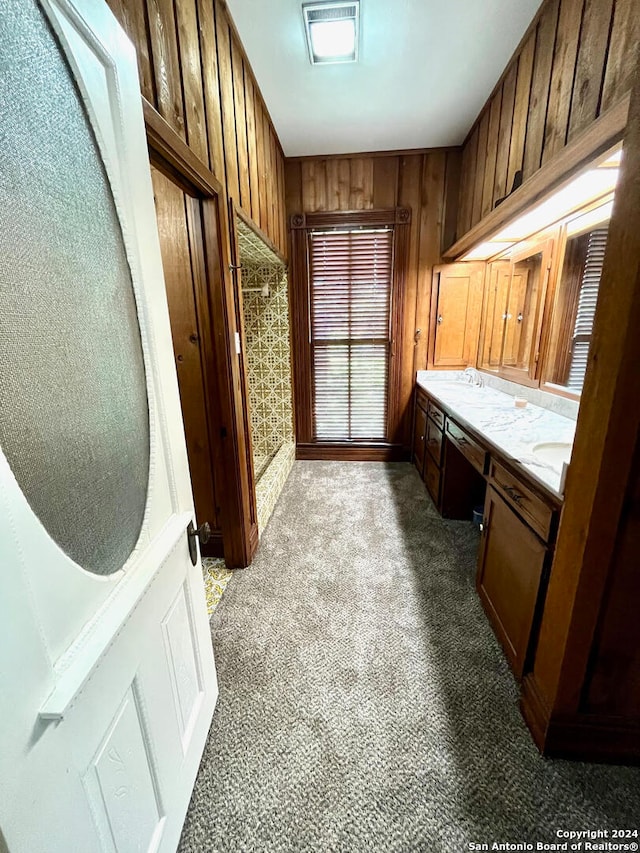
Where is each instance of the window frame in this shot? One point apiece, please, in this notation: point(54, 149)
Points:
point(399, 219)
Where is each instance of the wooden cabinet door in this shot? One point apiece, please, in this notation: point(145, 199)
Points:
point(510, 568)
point(457, 304)
point(419, 433)
point(495, 312)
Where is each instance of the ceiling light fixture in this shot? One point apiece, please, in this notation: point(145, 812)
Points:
point(332, 31)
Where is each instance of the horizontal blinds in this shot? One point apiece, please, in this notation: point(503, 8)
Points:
point(350, 282)
point(587, 301)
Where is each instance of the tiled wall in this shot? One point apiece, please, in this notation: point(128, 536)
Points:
point(268, 364)
point(266, 327)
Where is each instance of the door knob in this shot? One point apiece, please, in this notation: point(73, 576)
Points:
point(202, 534)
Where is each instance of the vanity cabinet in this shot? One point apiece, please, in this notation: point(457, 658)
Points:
point(462, 471)
point(510, 576)
point(427, 443)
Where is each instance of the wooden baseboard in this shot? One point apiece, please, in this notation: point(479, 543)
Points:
point(353, 453)
point(581, 737)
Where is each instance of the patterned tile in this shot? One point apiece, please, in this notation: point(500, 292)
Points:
point(216, 577)
point(265, 302)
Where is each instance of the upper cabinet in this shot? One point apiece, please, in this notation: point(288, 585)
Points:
point(456, 305)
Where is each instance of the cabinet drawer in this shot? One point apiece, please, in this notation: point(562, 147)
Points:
point(534, 510)
point(434, 441)
point(436, 414)
point(432, 478)
point(468, 447)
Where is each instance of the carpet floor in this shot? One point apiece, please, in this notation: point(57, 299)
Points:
point(365, 704)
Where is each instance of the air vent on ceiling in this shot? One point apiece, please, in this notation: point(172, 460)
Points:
point(332, 30)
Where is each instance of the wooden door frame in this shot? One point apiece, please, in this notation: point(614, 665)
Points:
point(169, 153)
point(306, 446)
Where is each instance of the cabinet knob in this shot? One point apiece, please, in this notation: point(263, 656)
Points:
point(439, 319)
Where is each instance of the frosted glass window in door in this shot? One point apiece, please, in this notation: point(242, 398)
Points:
point(74, 421)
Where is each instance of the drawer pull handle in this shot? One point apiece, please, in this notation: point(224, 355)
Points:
point(513, 494)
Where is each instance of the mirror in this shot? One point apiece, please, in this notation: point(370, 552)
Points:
point(574, 307)
point(514, 291)
point(522, 313)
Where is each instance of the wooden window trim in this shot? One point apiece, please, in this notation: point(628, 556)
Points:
point(301, 224)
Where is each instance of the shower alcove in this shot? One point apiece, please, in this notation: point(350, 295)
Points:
point(265, 306)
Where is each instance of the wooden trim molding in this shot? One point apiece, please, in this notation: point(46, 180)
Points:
point(216, 302)
point(171, 154)
point(349, 452)
point(602, 134)
point(351, 218)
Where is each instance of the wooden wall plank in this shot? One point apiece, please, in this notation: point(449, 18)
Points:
point(262, 162)
point(282, 208)
point(344, 184)
point(467, 182)
point(293, 186)
point(409, 195)
point(521, 109)
point(623, 52)
point(192, 84)
point(592, 53)
point(504, 132)
point(237, 74)
point(333, 188)
point(268, 172)
point(564, 63)
point(211, 90)
point(249, 100)
point(166, 64)
point(385, 182)
point(358, 200)
point(432, 199)
point(481, 161)
point(275, 216)
point(492, 153)
point(541, 81)
point(133, 19)
point(227, 104)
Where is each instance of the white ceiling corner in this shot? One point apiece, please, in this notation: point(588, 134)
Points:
point(426, 69)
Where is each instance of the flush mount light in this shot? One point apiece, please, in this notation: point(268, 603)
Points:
point(332, 31)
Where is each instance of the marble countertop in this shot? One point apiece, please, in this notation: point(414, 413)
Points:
point(511, 431)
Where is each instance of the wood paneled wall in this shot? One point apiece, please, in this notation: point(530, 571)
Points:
point(417, 181)
point(194, 71)
point(574, 64)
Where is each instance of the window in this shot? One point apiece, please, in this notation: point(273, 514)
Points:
point(574, 310)
point(350, 275)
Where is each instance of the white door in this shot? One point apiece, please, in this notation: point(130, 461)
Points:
point(107, 678)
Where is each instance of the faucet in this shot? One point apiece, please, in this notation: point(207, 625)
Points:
point(473, 377)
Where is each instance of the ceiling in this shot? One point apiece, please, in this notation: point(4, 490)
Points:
point(426, 68)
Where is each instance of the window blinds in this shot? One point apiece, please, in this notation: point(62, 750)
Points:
point(350, 285)
point(587, 300)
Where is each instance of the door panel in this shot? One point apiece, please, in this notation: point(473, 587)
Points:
point(108, 681)
point(457, 300)
point(172, 209)
point(509, 575)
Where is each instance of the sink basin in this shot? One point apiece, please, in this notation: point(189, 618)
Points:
point(554, 453)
